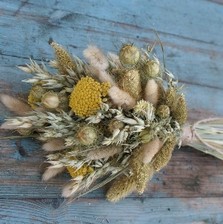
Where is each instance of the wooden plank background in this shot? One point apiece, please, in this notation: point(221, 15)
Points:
point(190, 188)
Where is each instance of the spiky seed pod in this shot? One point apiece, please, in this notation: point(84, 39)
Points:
point(129, 55)
point(163, 111)
point(121, 188)
point(115, 124)
point(35, 95)
point(170, 97)
point(50, 100)
point(64, 59)
point(151, 93)
point(151, 68)
point(130, 82)
point(180, 112)
point(161, 159)
point(87, 135)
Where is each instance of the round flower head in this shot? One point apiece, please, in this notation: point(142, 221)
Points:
point(86, 98)
point(50, 100)
point(151, 68)
point(87, 135)
point(129, 55)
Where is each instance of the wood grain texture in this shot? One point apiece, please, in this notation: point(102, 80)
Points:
point(190, 188)
point(98, 211)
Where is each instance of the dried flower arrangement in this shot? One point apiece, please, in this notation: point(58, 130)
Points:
point(113, 118)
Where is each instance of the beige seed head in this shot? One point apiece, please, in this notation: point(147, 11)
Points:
point(87, 135)
point(180, 112)
point(129, 55)
point(163, 111)
point(130, 82)
point(120, 188)
point(50, 100)
point(64, 59)
point(151, 68)
point(162, 158)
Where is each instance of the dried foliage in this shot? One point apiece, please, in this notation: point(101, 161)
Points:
point(112, 118)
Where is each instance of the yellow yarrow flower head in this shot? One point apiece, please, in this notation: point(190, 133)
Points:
point(86, 98)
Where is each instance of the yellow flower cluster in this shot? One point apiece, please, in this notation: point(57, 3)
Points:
point(84, 170)
point(86, 98)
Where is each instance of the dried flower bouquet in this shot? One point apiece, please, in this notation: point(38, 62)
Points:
point(114, 118)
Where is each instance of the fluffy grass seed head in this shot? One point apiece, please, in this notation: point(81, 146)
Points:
point(64, 59)
point(35, 95)
point(142, 173)
point(129, 55)
point(86, 97)
point(120, 188)
point(161, 159)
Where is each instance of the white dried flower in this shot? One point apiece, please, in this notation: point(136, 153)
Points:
point(50, 100)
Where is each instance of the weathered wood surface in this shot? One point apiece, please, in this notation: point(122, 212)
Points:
point(190, 188)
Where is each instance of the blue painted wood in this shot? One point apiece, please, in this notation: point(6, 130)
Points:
point(190, 188)
point(95, 211)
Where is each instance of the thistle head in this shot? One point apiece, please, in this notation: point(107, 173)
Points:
point(129, 55)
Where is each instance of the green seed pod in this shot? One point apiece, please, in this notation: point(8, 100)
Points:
point(151, 68)
point(87, 135)
point(163, 111)
point(129, 55)
point(50, 100)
